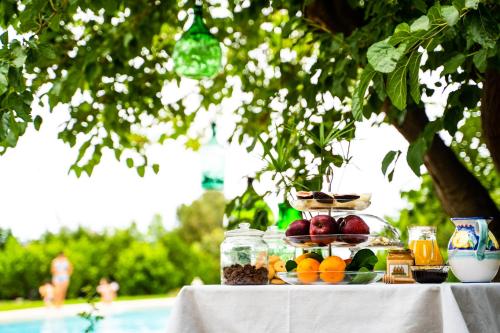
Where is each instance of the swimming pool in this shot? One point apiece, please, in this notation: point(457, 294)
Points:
point(143, 320)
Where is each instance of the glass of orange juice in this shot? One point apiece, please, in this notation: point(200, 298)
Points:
point(423, 244)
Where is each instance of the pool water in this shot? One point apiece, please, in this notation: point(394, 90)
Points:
point(137, 321)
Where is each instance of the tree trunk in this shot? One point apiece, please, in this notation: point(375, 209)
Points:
point(460, 193)
point(490, 114)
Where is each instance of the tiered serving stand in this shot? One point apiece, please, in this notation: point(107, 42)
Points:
point(383, 236)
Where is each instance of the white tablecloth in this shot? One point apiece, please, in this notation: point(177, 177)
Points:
point(420, 308)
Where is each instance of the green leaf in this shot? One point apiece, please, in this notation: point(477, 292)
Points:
point(77, 170)
point(420, 5)
point(451, 65)
point(482, 30)
point(130, 162)
point(415, 155)
point(365, 278)
point(459, 4)
point(389, 157)
point(451, 118)
point(402, 27)
point(383, 56)
point(4, 38)
point(479, 60)
point(434, 14)
point(450, 15)
point(47, 51)
point(19, 56)
point(316, 256)
point(396, 85)
point(4, 82)
point(422, 23)
point(290, 265)
point(156, 168)
point(391, 175)
point(431, 130)
point(37, 122)
point(472, 4)
point(81, 151)
point(359, 94)
point(399, 37)
point(364, 258)
point(118, 154)
point(413, 70)
point(88, 168)
point(379, 86)
point(469, 95)
point(141, 169)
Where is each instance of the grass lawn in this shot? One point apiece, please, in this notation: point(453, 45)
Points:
point(7, 305)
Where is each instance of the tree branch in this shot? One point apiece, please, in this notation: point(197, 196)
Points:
point(460, 193)
point(334, 16)
point(490, 114)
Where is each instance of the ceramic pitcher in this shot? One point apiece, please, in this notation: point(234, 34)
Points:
point(473, 251)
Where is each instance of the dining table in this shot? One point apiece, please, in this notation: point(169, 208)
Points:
point(378, 307)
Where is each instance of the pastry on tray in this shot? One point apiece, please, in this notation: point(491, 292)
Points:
point(324, 201)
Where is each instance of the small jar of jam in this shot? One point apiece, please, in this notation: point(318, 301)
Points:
point(399, 263)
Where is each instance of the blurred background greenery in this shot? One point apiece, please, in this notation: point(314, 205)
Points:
point(151, 262)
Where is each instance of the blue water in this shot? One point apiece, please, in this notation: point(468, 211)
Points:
point(137, 321)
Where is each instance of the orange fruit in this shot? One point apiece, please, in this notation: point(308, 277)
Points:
point(301, 257)
point(332, 269)
point(307, 270)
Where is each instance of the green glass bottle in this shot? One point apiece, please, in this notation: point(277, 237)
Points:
point(286, 215)
point(251, 208)
point(197, 54)
point(212, 162)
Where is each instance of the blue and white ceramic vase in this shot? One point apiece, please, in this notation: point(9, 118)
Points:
point(473, 251)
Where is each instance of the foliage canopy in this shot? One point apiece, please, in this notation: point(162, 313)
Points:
point(116, 55)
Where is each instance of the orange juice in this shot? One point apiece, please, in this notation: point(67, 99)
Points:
point(426, 252)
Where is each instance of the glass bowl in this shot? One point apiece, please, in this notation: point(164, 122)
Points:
point(331, 278)
point(343, 240)
point(430, 274)
point(382, 235)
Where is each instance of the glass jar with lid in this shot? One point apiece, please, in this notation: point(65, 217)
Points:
point(279, 253)
point(244, 257)
point(275, 240)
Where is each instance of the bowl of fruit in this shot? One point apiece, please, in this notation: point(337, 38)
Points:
point(312, 268)
point(360, 230)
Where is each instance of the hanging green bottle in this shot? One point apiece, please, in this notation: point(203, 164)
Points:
point(212, 162)
point(251, 208)
point(197, 54)
point(286, 215)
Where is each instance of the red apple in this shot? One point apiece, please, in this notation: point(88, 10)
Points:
point(323, 225)
point(298, 228)
point(354, 225)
